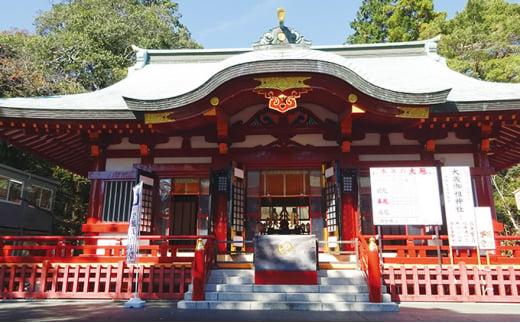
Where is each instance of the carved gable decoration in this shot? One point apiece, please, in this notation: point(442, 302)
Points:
point(301, 118)
point(282, 92)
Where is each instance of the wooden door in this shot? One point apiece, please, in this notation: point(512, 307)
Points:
point(185, 215)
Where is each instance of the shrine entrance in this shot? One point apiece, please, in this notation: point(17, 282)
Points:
point(284, 202)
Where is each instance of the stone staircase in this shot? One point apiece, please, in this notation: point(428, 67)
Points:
point(338, 290)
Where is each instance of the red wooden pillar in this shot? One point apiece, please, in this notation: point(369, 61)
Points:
point(374, 273)
point(95, 204)
point(198, 272)
point(221, 222)
point(348, 220)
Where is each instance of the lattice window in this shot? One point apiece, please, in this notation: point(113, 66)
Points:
point(117, 200)
point(146, 215)
point(238, 205)
point(331, 207)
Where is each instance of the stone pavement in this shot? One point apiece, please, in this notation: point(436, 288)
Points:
point(74, 310)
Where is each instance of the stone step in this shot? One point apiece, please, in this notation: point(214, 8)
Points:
point(341, 273)
point(294, 306)
point(289, 297)
point(286, 288)
point(231, 272)
point(231, 280)
point(342, 281)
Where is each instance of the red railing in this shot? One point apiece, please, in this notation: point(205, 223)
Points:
point(95, 267)
point(99, 281)
point(205, 258)
point(94, 249)
point(424, 249)
point(459, 283)
point(369, 263)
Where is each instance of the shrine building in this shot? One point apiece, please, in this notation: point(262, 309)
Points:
point(230, 142)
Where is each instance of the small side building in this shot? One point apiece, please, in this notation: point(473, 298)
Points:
point(26, 202)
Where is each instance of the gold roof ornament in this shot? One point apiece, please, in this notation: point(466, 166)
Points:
point(280, 13)
point(281, 35)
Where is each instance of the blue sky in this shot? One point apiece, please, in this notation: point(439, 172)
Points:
point(239, 23)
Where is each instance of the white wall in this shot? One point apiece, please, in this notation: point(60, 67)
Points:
point(200, 142)
point(121, 164)
point(390, 157)
point(125, 144)
point(173, 143)
point(182, 160)
point(452, 139)
point(456, 159)
point(314, 139)
point(371, 139)
point(254, 141)
point(397, 138)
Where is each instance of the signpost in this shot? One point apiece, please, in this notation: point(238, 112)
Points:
point(516, 193)
point(132, 247)
point(459, 206)
point(485, 232)
point(405, 196)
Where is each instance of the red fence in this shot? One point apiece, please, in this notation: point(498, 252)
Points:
point(453, 283)
point(82, 267)
point(111, 281)
point(423, 249)
point(94, 249)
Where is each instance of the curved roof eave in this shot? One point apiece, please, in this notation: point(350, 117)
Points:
point(296, 66)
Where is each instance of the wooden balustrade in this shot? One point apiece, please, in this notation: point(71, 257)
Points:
point(95, 281)
point(460, 283)
point(423, 249)
point(95, 249)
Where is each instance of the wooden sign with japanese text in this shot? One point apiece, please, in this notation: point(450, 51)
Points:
point(485, 232)
point(459, 206)
point(405, 196)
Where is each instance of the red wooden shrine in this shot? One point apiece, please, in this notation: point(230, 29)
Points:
point(230, 137)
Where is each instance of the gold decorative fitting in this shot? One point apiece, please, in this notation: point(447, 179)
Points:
point(352, 98)
point(282, 92)
point(158, 117)
point(413, 112)
point(372, 246)
point(214, 101)
point(280, 13)
point(200, 244)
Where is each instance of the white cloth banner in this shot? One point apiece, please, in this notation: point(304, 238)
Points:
point(132, 247)
point(405, 196)
point(459, 206)
point(486, 234)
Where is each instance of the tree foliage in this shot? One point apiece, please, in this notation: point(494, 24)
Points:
point(391, 20)
point(89, 40)
point(80, 45)
point(481, 41)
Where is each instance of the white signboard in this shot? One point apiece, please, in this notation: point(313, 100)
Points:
point(405, 196)
point(132, 247)
point(485, 232)
point(517, 198)
point(459, 206)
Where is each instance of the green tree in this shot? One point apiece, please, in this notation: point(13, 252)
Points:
point(22, 73)
point(483, 41)
point(80, 45)
point(90, 40)
point(371, 23)
point(392, 20)
point(505, 183)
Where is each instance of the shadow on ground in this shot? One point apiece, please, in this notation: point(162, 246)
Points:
point(68, 310)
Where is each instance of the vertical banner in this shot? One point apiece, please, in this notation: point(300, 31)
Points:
point(132, 247)
point(486, 234)
point(459, 205)
point(405, 196)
